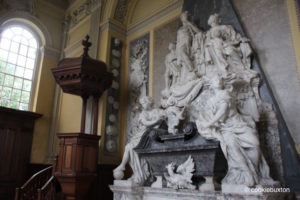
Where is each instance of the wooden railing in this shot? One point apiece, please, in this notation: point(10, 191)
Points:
point(48, 191)
point(38, 186)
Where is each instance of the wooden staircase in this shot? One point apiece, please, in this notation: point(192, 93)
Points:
point(41, 186)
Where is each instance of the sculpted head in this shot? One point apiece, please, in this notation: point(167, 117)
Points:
point(213, 20)
point(172, 47)
point(171, 166)
point(216, 33)
point(184, 17)
point(146, 102)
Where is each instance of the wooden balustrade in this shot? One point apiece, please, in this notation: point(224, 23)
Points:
point(40, 184)
point(48, 191)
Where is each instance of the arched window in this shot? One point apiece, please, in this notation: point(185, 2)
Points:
point(18, 60)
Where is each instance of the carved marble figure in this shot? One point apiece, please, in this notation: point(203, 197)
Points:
point(173, 114)
point(172, 73)
point(198, 52)
point(185, 36)
point(238, 138)
point(149, 117)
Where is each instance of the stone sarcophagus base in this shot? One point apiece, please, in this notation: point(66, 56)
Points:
point(159, 149)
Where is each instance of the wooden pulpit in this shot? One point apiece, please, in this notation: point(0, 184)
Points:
point(78, 152)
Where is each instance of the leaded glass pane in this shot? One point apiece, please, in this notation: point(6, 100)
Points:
point(23, 106)
point(10, 69)
point(12, 58)
point(28, 74)
point(1, 78)
point(21, 61)
point(23, 50)
point(25, 97)
point(30, 63)
point(5, 69)
point(24, 41)
point(14, 47)
point(9, 81)
point(32, 43)
point(3, 55)
point(16, 95)
point(31, 53)
point(17, 38)
point(4, 102)
point(27, 85)
point(19, 71)
point(14, 104)
point(6, 92)
point(2, 66)
point(18, 83)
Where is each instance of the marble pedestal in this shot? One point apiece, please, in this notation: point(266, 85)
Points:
point(123, 190)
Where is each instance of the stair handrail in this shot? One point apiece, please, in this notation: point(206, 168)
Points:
point(30, 189)
point(48, 190)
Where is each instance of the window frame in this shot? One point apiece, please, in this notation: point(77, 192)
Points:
point(38, 59)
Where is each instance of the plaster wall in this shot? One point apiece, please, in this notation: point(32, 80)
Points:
point(145, 8)
point(44, 106)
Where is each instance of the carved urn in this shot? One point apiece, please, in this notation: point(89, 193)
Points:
point(76, 167)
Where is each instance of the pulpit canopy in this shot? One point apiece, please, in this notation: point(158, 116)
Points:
point(82, 75)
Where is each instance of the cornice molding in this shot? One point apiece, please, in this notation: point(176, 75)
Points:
point(114, 26)
point(79, 24)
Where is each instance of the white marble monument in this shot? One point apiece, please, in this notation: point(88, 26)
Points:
point(209, 81)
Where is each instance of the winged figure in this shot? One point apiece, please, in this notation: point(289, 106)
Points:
point(180, 177)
